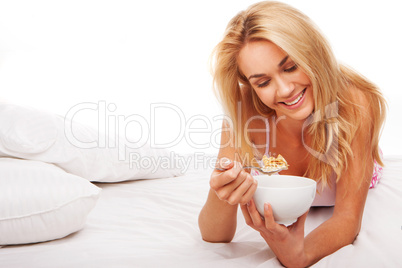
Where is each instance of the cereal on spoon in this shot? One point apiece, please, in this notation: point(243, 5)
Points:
point(274, 163)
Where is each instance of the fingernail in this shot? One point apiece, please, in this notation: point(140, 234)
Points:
point(266, 206)
point(225, 162)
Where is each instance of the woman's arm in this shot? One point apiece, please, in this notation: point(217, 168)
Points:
point(289, 244)
point(217, 219)
point(351, 192)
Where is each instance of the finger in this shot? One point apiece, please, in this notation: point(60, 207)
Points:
point(245, 190)
point(248, 195)
point(225, 163)
point(302, 218)
point(247, 216)
point(230, 174)
point(228, 191)
point(222, 178)
point(270, 223)
point(236, 167)
point(251, 191)
point(258, 221)
point(299, 224)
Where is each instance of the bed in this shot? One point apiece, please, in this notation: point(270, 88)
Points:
point(153, 223)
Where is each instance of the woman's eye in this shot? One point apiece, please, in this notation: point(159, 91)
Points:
point(291, 69)
point(264, 84)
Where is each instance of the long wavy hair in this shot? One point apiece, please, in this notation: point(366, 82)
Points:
point(336, 117)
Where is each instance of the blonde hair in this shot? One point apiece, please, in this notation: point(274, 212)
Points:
point(336, 117)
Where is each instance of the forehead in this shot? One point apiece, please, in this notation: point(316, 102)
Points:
point(259, 57)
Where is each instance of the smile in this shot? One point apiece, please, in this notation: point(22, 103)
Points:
point(295, 101)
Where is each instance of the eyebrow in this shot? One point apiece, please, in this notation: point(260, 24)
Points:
point(279, 65)
point(283, 61)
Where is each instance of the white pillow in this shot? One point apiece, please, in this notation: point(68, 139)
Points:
point(41, 202)
point(31, 134)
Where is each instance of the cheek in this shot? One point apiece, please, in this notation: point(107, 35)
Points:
point(310, 99)
point(259, 93)
point(266, 96)
point(303, 78)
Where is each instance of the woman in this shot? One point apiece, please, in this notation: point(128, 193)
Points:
point(285, 93)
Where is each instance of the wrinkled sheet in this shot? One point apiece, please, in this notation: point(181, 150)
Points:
point(153, 223)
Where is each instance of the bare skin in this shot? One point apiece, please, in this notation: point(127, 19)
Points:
point(278, 85)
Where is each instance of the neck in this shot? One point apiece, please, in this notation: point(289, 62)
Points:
point(291, 128)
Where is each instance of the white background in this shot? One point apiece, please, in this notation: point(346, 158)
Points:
point(125, 56)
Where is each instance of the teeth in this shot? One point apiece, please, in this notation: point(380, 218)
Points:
point(296, 100)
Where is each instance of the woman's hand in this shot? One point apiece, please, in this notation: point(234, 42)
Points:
point(286, 242)
point(234, 185)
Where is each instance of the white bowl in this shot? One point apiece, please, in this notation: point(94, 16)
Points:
point(289, 196)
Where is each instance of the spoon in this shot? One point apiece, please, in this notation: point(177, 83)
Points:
point(268, 172)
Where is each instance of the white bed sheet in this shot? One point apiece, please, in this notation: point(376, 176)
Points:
point(153, 223)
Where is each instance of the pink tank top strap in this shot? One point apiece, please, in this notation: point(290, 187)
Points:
point(267, 137)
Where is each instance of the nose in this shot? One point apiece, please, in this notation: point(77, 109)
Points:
point(284, 88)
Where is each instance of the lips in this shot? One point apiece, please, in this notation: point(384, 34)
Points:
point(295, 100)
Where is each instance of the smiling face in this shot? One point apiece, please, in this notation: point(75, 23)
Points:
point(276, 79)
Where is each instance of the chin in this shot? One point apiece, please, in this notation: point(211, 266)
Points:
point(300, 115)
